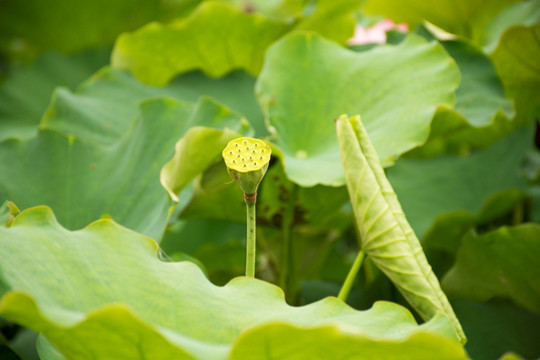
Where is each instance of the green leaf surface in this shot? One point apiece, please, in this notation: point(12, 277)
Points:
point(101, 292)
point(429, 189)
point(216, 196)
point(515, 60)
point(33, 26)
point(466, 18)
point(452, 133)
point(26, 93)
point(274, 196)
point(482, 113)
point(511, 356)
point(523, 13)
point(496, 327)
point(104, 106)
point(198, 149)
point(414, 77)
point(284, 10)
point(333, 19)
point(274, 342)
point(102, 114)
point(46, 350)
point(82, 179)
point(189, 236)
point(480, 94)
point(156, 53)
point(503, 263)
point(235, 90)
point(323, 205)
point(102, 109)
point(218, 244)
point(24, 344)
point(385, 234)
point(443, 239)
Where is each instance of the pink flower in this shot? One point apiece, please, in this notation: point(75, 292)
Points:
point(376, 33)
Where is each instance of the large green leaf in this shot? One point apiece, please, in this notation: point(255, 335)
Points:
point(433, 188)
point(443, 239)
point(102, 109)
point(216, 38)
point(307, 82)
point(235, 90)
point(104, 106)
point(101, 292)
point(500, 263)
point(386, 236)
point(25, 94)
point(333, 19)
point(482, 112)
point(515, 60)
point(480, 94)
point(82, 179)
point(101, 114)
point(220, 37)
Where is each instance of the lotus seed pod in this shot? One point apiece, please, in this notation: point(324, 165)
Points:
point(247, 160)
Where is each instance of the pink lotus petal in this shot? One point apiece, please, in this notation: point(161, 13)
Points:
point(375, 34)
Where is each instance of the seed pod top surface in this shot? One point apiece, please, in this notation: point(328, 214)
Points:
point(246, 154)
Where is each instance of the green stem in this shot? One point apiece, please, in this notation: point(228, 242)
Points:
point(251, 242)
point(287, 274)
point(351, 276)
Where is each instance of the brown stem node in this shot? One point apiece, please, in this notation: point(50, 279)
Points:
point(251, 198)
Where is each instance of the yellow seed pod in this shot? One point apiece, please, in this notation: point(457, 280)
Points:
point(246, 154)
point(247, 160)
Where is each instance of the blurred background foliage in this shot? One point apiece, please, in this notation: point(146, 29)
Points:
point(469, 184)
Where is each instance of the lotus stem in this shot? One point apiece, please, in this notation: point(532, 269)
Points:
point(351, 276)
point(251, 238)
point(247, 161)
